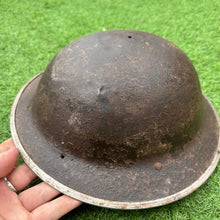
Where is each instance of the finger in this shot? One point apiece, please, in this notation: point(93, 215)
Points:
point(56, 208)
point(8, 157)
point(21, 177)
point(10, 206)
point(37, 195)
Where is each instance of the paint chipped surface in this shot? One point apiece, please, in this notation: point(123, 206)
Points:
point(118, 185)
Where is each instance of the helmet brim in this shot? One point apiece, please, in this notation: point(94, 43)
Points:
point(156, 181)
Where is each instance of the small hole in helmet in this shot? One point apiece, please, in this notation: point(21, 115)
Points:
point(62, 156)
point(129, 36)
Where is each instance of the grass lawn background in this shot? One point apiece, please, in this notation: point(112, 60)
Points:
point(32, 32)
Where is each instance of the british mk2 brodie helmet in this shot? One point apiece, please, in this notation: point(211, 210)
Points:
point(118, 120)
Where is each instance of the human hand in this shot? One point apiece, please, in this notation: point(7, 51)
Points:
point(35, 203)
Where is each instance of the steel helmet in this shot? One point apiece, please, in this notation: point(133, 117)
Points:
point(118, 120)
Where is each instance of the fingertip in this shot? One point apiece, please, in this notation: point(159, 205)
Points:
point(56, 208)
point(8, 157)
point(11, 150)
point(72, 203)
point(13, 155)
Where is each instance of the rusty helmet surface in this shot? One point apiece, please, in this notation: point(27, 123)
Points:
point(118, 120)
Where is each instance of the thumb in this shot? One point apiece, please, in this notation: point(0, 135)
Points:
point(8, 157)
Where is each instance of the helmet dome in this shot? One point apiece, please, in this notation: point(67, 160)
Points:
point(116, 96)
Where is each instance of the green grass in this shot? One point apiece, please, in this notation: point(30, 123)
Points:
point(32, 32)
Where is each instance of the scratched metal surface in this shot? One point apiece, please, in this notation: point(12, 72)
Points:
point(119, 96)
point(140, 174)
point(140, 182)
